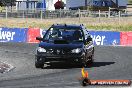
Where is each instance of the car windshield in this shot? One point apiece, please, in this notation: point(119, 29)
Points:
point(68, 34)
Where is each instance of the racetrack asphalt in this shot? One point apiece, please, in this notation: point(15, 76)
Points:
point(111, 62)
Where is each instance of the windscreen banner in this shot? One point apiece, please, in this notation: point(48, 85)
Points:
point(13, 34)
point(126, 38)
point(105, 37)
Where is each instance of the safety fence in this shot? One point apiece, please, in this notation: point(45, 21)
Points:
point(29, 35)
point(47, 14)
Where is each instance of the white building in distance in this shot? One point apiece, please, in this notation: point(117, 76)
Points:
point(32, 4)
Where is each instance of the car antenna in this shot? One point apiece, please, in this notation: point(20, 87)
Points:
point(52, 24)
point(65, 25)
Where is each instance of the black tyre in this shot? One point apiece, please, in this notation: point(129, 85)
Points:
point(39, 63)
point(88, 61)
point(84, 62)
point(91, 60)
point(86, 82)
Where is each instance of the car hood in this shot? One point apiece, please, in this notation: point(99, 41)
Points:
point(47, 45)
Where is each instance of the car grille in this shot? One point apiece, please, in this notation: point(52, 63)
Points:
point(58, 51)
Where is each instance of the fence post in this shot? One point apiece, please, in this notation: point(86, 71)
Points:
point(6, 12)
point(60, 13)
point(23, 14)
point(125, 12)
point(41, 14)
point(99, 15)
point(88, 13)
point(79, 14)
point(109, 13)
point(119, 13)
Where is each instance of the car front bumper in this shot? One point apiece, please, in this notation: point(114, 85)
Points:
point(60, 57)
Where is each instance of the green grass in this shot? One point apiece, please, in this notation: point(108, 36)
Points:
point(111, 27)
point(130, 1)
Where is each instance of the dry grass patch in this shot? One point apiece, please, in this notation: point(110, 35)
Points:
point(113, 24)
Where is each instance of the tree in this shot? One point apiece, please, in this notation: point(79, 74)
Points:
point(59, 4)
point(7, 2)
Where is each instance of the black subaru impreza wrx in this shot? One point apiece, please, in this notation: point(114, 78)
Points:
point(69, 43)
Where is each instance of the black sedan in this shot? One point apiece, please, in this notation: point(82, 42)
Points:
point(69, 43)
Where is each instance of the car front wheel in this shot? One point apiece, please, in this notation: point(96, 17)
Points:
point(91, 60)
point(39, 63)
point(88, 61)
point(84, 61)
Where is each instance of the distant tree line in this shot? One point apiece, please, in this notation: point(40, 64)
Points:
point(130, 1)
point(7, 2)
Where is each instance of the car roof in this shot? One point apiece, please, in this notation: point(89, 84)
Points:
point(67, 26)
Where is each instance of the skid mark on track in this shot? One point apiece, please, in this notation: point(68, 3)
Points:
point(11, 51)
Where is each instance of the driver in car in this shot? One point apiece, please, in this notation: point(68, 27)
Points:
point(77, 35)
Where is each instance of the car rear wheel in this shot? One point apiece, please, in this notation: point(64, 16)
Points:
point(39, 63)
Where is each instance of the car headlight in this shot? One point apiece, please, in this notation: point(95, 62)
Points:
point(41, 50)
point(78, 50)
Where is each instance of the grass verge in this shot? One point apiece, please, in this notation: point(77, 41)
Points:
point(109, 24)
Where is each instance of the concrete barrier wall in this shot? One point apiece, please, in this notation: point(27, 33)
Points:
point(105, 37)
point(126, 38)
point(32, 34)
point(13, 34)
point(99, 37)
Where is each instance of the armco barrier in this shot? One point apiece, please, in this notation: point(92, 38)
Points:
point(13, 34)
point(32, 34)
point(105, 37)
point(126, 38)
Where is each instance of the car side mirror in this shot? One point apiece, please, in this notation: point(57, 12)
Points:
point(39, 38)
point(89, 39)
